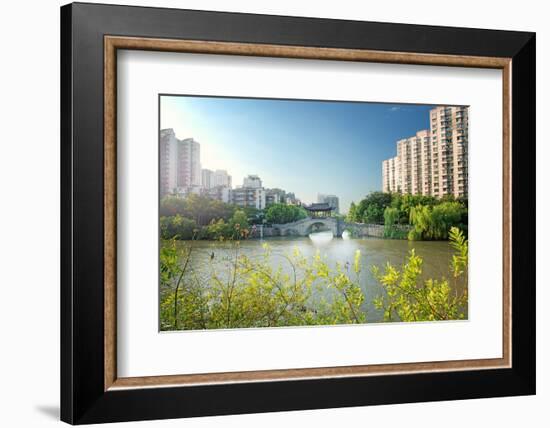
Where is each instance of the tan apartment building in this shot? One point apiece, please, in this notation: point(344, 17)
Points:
point(449, 135)
point(424, 161)
point(409, 171)
point(432, 162)
point(404, 164)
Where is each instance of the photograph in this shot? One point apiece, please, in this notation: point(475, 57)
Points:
point(295, 213)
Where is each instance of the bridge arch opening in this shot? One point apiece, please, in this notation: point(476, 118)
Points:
point(318, 226)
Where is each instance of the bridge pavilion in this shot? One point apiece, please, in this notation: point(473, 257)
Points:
point(320, 210)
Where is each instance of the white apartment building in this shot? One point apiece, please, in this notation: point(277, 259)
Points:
point(189, 163)
point(207, 178)
point(251, 197)
point(251, 194)
point(179, 162)
point(220, 193)
point(221, 178)
point(252, 181)
point(168, 161)
point(272, 197)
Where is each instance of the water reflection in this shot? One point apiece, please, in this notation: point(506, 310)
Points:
point(321, 238)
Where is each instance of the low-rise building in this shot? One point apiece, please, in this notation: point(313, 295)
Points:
point(220, 193)
point(252, 181)
point(291, 199)
point(249, 197)
point(221, 178)
point(271, 198)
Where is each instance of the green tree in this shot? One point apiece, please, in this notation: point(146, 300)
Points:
point(434, 222)
point(282, 213)
point(404, 203)
point(371, 208)
point(352, 213)
point(374, 213)
point(392, 229)
point(218, 230)
point(199, 209)
point(196, 207)
point(172, 205)
point(239, 225)
point(177, 227)
point(254, 215)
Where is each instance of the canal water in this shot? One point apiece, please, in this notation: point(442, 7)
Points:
point(436, 257)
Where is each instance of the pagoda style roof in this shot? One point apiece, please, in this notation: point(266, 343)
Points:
point(319, 207)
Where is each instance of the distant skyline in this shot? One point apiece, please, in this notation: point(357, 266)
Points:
point(305, 147)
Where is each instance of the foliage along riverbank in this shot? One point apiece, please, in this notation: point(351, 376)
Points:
point(199, 217)
point(250, 292)
point(429, 218)
point(413, 217)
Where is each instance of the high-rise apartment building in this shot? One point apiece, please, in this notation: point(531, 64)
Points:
point(168, 161)
point(404, 147)
point(207, 178)
point(424, 162)
point(179, 163)
point(408, 172)
point(390, 174)
point(449, 155)
point(432, 162)
point(189, 163)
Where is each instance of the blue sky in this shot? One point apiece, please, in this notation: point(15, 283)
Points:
point(305, 147)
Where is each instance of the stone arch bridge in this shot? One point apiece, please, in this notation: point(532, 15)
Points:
point(312, 224)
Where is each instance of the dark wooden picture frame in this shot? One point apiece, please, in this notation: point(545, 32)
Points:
point(90, 37)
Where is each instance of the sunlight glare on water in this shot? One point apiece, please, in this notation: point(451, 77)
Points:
point(321, 238)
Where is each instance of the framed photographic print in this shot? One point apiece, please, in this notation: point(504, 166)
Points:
point(265, 213)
